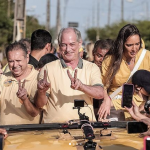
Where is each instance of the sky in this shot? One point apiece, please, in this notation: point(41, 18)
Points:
point(84, 12)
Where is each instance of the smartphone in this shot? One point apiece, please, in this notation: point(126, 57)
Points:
point(147, 143)
point(136, 127)
point(78, 103)
point(127, 95)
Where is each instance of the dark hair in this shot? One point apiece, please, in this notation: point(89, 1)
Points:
point(27, 43)
point(46, 59)
point(16, 46)
point(142, 81)
point(1, 64)
point(103, 44)
point(39, 39)
point(117, 50)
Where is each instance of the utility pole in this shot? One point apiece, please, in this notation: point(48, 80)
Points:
point(8, 11)
point(19, 20)
point(122, 10)
point(58, 24)
point(93, 15)
point(109, 11)
point(65, 7)
point(98, 10)
point(147, 10)
point(15, 22)
point(48, 16)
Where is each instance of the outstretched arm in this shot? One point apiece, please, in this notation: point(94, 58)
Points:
point(22, 94)
point(105, 107)
point(93, 91)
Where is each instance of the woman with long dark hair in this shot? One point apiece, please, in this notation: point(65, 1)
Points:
point(117, 67)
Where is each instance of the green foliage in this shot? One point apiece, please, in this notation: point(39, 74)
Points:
point(91, 33)
point(112, 31)
point(32, 24)
point(144, 28)
point(6, 24)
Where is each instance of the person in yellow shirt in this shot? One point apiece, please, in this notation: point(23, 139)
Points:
point(18, 88)
point(70, 78)
point(26, 43)
point(101, 47)
point(116, 68)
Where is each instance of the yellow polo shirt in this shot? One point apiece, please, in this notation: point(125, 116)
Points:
point(6, 68)
point(12, 108)
point(61, 96)
point(122, 76)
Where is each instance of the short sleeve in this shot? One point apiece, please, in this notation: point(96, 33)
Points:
point(96, 76)
point(104, 68)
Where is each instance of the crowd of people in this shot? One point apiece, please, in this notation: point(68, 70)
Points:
point(38, 85)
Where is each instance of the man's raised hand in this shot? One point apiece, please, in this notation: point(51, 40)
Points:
point(76, 84)
point(43, 85)
point(22, 92)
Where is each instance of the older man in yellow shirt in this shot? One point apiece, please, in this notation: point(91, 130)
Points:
point(18, 87)
point(71, 78)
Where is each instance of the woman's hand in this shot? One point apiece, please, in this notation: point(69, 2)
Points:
point(134, 112)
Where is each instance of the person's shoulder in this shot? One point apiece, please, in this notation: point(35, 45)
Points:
point(148, 52)
point(6, 76)
point(53, 63)
point(35, 71)
point(89, 64)
point(107, 60)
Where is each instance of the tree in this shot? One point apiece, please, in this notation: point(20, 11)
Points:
point(32, 24)
point(112, 31)
point(144, 28)
point(6, 24)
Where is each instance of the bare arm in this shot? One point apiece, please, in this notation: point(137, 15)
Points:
point(41, 98)
point(43, 86)
point(105, 107)
point(30, 108)
point(135, 113)
point(92, 91)
point(22, 94)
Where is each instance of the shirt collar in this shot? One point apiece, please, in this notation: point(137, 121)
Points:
point(80, 63)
